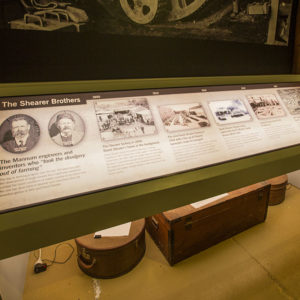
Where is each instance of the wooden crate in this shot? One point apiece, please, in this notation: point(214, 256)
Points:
point(183, 232)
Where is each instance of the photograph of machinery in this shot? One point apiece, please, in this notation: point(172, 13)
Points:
point(291, 99)
point(264, 22)
point(265, 106)
point(124, 119)
point(44, 15)
point(183, 116)
point(229, 111)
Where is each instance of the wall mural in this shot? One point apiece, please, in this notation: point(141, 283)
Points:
point(264, 22)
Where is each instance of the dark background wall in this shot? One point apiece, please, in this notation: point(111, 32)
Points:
point(296, 61)
point(38, 56)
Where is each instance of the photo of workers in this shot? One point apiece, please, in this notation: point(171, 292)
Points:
point(19, 133)
point(124, 118)
point(66, 128)
point(265, 106)
point(183, 116)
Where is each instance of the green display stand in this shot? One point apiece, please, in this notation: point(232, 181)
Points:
point(31, 228)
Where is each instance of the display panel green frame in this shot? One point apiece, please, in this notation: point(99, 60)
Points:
point(30, 228)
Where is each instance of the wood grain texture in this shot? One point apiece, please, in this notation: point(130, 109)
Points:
point(185, 231)
point(110, 257)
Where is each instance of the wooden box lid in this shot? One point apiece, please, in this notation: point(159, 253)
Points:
point(174, 214)
point(278, 181)
point(108, 243)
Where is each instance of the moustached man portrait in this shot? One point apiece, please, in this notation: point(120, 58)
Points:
point(67, 134)
point(24, 134)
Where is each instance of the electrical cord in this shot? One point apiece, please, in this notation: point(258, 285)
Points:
point(54, 261)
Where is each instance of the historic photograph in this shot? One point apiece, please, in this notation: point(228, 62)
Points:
point(265, 106)
point(291, 99)
point(229, 111)
point(183, 116)
point(124, 118)
point(263, 22)
point(66, 128)
point(19, 133)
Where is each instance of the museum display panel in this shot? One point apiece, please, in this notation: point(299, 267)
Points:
point(127, 160)
point(58, 146)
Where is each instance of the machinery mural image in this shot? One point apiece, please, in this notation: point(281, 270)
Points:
point(266, 22)
point(151, 11)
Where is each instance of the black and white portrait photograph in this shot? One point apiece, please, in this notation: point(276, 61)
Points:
point(291, 99)
point(124, 118)
point(183, 116)
point(264, 22)
point(229, 111)
point(19, 133)
point(66, 128)
point(265, 106)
